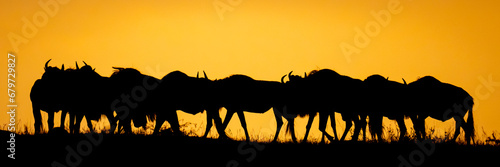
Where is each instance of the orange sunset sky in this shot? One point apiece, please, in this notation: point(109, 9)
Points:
point(455, 41)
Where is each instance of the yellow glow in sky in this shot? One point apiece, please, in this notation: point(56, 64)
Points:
point(455, 41)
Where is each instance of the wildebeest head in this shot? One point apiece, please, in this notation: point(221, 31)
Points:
point(293, 78)
point(87, 67)
point(51, 72)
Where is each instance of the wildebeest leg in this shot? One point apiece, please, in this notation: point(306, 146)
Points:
point(360, 124)
point(71, 122)
point(38, 118)
point(348, 125)
point(112, 123)
point(334, 126)
point(459, 122)
point(89, 124)
point(229, 115)
point(213, 114)
point(78, 121)
point(159, 122)
point(279, 122)
point(416, 126)
point(308, 127)
point(173, 120)
point(209, 123)
point(218, 124)
point(63, 118)
point(291, 128)
point(50, 120)
point(323, 119)
point(127, 125)
point(421, 125)
point(363, 120)
point(402, 128)
point(243, 123)
point(357, 128)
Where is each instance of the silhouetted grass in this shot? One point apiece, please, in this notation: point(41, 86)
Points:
point(191, 150)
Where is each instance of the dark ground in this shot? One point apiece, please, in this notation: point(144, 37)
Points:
point(139, 150)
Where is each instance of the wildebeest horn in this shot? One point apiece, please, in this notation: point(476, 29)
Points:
point(85, 63)
point(282, 78)
point(62, 67)
point(404, 81)
point(77, 65)
point(197, 74)
point(47, 63)
point(387, 78)
point(205, 74)
point(118, 68)
point(305, 74)
point(289, 74)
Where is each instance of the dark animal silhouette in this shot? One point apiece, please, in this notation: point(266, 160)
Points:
point(90, 97)
point(46, 95)
point(385, 98)
point(325, 92)
point(192, 95)
point(297, 104)
point(134, 95)
point(238, 93)
point(429, 97)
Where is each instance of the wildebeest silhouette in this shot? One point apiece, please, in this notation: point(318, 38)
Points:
point(178, 91)
point(297, 103)
point(385, 98)
point(238, 93)
point(429, 97)
point(134, 97)
point(46, 95)
point(90, 97)
point(325, 92)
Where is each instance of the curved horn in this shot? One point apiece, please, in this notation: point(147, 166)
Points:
point(85, 63)
point(47, 63)
point(282, 78)
point(77, 65)
point(404, 81)
point(62, 67)
point(205, 74)
point(197, 74)
point(290, 74)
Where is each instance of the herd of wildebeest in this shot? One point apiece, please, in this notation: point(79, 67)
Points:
point(128, 95)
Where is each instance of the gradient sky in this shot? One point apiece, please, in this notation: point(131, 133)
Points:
point(455, 41)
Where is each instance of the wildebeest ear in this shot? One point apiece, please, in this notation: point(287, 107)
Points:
point(387, 78)
point(62, 67)
point(198, 74)
point(305, 74)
